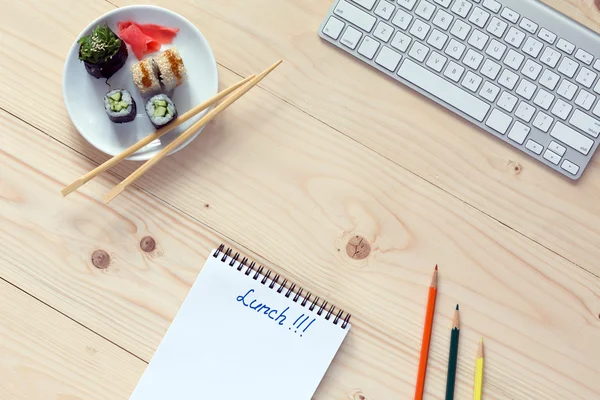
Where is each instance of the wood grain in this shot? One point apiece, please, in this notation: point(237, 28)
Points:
point(408, 129)
point(45, 355)
point(272, 179)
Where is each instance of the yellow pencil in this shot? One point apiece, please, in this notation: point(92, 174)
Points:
point(478, 372)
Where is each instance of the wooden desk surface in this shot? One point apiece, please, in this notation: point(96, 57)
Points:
point(327, 149)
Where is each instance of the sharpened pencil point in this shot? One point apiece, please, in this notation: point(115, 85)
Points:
point(436, 267)
point(457, 307)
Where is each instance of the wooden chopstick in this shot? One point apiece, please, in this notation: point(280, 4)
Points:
point(114, 192)
point(152, 137)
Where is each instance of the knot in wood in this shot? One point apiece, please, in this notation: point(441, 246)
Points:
point(358, 248)
point(148, 244)
point(100, 259)
point(358, 395)
point(514, 167)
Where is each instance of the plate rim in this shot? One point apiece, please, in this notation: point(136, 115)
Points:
point(74, 49)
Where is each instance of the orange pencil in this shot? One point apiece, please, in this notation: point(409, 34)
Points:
point(426, 336)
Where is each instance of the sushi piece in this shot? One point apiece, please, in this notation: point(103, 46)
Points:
point(102, 52)
point(171, 69)
point(145, 77)
point(160, 110)
point(120, 106)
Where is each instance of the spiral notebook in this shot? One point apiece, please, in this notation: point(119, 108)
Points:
point(244, 332)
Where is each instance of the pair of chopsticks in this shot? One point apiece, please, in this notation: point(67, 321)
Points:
point(244, 86)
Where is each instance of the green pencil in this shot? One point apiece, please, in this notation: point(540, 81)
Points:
point(452, 359)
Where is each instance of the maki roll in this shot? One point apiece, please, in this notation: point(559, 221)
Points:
point(120, 106)
point(145, 77)
point(171, 70)
point(102, 52)
point(160, 110)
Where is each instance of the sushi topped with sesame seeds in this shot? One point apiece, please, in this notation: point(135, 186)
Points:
point(102, 52)
point(171, 69)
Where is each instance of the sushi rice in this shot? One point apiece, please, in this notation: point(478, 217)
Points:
point(120, 106)
point(161, 110)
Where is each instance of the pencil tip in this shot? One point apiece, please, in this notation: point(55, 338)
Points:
point(436, 267)
point(457, 307)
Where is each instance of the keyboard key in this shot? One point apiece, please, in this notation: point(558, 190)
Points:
point(489, 91)
point(425, 10)
point(333, 28)
point(572, 138)
point(550, 57)
point(534, 146)
point(400, 41)
point(508, 79)
point(586, 77)
point(567, 89)
point(510, 15)
point(455, 49)
point(514, 59)
point(368, 47)
point(351, 37)
point(596, 110)
point(355, 15)
point(388, 58)
point(461, 7)
point(442, 20)
point(443, 3)
point(444, 90)
point(531, 69)
point(368, 4)
point(543, 99)
point(454, 71)
point(490, 69)
point(402, 19)
point(547, 36)
point(496, 50)
point(528, 25)
point(507, 101)
point(557, 148)
point(514, 37)
point(549, 79)
point(473, 59)
point(383, 31)
point(498, 121)
point(568, 67)
point(478, 39)
point(497, 27)
point(552, 157)
point(584, 56)
point(408, 4)
point(418, 51)
point(533, 47)
point(597, 65)
point(525, 111)
point(585, 100)
point(472, 81)
point(543, 121)
point(436, 61)
point(419, 29)
point(479, 17)
point(437, 39)
point(460, 29)
point(384, 9)
point(526, 89)
point(587, 124)
point(570, 167)
point(561, 109)
point(565, 46)
point(492, 5)
point(519, 132)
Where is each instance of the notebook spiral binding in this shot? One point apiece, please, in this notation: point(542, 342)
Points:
point(266, 273)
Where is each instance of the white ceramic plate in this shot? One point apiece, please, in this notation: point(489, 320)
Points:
point(83, 94)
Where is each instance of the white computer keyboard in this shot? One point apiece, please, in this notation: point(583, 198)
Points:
point(517, 68)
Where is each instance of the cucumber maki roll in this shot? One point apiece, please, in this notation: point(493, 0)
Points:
point(160, 110)
point(120, 106)
point(102, 52)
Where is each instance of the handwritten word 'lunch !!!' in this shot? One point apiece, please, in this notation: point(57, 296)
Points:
point(279, 317)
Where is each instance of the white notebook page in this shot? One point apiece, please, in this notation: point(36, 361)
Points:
point(224, 343)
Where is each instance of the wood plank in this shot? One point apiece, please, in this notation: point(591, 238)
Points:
point(45, 355)
point(512, 291)
point(404, 127)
